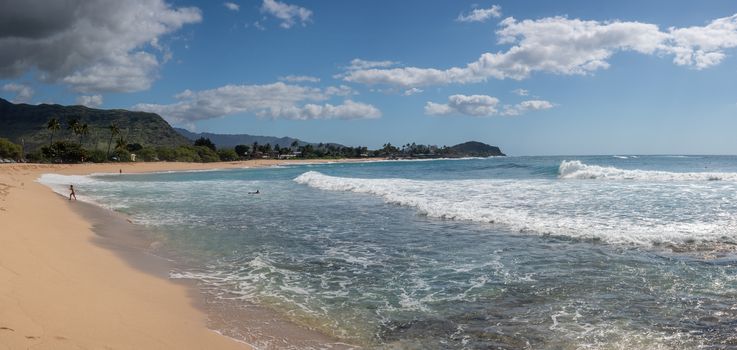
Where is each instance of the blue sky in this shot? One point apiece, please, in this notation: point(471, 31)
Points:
point(533, 77)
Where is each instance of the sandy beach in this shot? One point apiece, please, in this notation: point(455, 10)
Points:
point(62, 288)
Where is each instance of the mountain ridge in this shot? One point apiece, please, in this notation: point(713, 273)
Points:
point(26, 124)
point(232, 140)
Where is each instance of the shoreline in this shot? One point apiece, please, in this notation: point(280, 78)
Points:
point(74, 275)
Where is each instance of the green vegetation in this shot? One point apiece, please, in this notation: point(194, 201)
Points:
point(53, 125)
point(466, 149)
point(60, 152)
point(202, 141)
point(9, 150)
point(42, 125)
point(228, 155)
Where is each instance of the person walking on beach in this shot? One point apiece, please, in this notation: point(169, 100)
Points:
point(71, 194)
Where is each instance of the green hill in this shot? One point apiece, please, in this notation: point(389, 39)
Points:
point(23, 123)
point(475, 149)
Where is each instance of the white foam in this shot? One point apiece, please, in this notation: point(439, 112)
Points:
point(60, 184)
point(617, 212)
point(575, 169)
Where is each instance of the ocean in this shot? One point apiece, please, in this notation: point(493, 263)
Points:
point(593, 252)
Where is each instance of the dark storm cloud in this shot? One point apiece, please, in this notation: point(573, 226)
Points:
point(91, 45)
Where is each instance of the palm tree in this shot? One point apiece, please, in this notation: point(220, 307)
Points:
point(54, 126)
point(114, 130)
point(120, 143)
point(73, 125)
point(83, 131)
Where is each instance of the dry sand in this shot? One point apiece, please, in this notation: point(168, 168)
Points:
point(61, 289)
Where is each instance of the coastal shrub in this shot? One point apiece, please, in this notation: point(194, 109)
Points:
point(166, 154)
point(227, 155)
point(36, 156)
point(122, 154)
point(65, 152)
point(203, 141)
point(186, 154)
point(147, 154)
point(133, 147)
point(10, 150)
point(242, 150)
point(207, 154)
point(97, 156)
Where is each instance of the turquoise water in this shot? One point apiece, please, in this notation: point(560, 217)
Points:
point(515, 252)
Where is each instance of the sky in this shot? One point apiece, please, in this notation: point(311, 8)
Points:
point(532, 77)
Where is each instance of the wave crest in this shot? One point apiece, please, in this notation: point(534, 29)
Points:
point(575, 169)
point(613, 211)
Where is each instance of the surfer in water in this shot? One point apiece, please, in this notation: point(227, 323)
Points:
point(257, 192)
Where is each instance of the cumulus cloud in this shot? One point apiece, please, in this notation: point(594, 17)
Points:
point(521, 92)
point(342, 90)
point(288, 14)
point(474, 105)
point(277, 100)
point(525, 106)
point(482, 106)
point(300, 79)
point(348, 110)
point(358, 64)
point(565, 46)
point(232, 6)
point(480, 15)
point(703, 47)
point(412, 91)
point(23, 93)
point(91, 45)
point(92, 101)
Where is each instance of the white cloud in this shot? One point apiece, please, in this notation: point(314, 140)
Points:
point(91, 45)
point(412, 91)
point(125, 73)
point(565, 46)
point(482, 106)
point(480, 15)
point(23, 93)
point(300, 79)
point(521, 92)
point(259, 26)
point(92, 101)
point(347, 110)
point(232, 6)
point(288, 14)
point(525, 106)
point(342, 90)
point(702, 47)
point(474, 105)
point(358, 64)
point(277, 100)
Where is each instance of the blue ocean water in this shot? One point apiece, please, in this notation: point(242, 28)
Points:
point(513, 252)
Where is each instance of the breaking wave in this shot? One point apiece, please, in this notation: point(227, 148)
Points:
point(574, 169)
point(612, 211)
